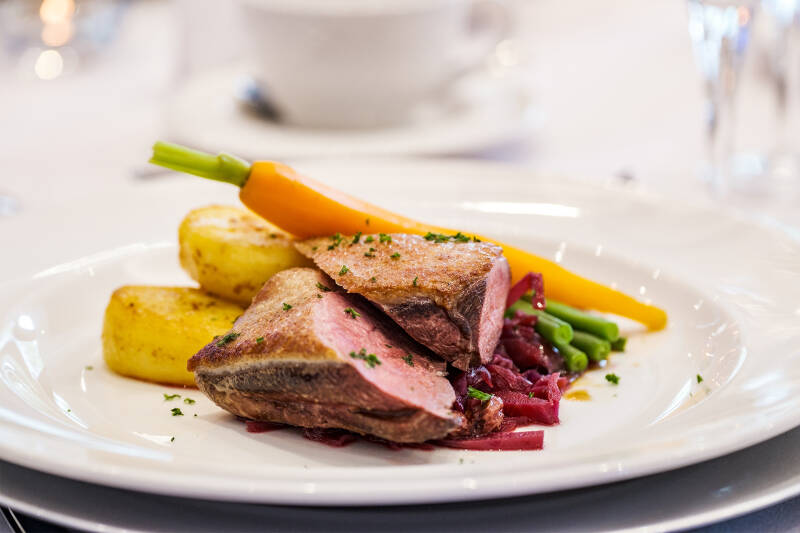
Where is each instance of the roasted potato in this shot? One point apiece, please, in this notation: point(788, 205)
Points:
point(232, 252)
point(150, 332)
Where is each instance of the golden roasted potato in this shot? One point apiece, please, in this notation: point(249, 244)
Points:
point(150, 332)
point(231, 252)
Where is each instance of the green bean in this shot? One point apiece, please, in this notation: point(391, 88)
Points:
point(595, 325)
point(551, 328)
point(619, 344)
point(574, 359)
point(594, 347)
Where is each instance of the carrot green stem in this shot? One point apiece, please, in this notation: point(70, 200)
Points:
point(222, 167)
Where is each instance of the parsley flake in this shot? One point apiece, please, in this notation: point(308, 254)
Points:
point(344, 270)
point(369, 358)
point(323, 288)
point(439, 238)
point(384, 238)
point(352, 312)
point(168, 397)
point(259, 340)
point(89, 367)
point(414, 283)
point(472, 392)
point(395, 255)
point(172, 439)
point(286, 306)
point(337, 240)
point(373, 279)
point(409, 359)
point(227, 338)
point(176, 411)
point(699, 378)
point(612, 378)
point(356, 238)
point(188, 401)
point(530, 395)
point(369, 239)
point(314, 248)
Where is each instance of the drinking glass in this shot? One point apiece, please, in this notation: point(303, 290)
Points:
point(720, 31)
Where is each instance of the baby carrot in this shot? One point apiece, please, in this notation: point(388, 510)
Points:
point(307, 208)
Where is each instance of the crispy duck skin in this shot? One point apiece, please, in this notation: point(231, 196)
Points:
point(449, 296)
point(307, 354)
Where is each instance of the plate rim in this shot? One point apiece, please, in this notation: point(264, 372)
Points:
point(629, 473)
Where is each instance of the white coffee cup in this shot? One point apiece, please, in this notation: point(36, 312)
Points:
point(364, 63)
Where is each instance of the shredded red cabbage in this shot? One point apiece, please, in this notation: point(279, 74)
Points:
point(532, 281)
point(337, 438)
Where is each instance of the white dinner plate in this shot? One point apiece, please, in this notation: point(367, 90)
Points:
point(482, 111)
point(685, 498)
point(730, 287)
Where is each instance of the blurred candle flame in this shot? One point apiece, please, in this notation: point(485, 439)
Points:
point(56, 16)
point(56, 11)
point(49, 65)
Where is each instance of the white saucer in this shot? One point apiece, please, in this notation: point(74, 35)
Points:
point(483, 110)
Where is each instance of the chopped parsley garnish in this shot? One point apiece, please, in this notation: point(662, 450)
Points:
point(314, 248)
point(168, 397)
point(227, 338)
point(414, 283)
point(699, 378)
point(371, 252)
point(356, 238)
point(322, 287)
point(409, 359)
point(369, 239)
point(259, 340)
point(384, 238)
point(530, 395)
point(337, 240)
point(352, 312)
point(89, 367)
point(612, 378)
point(395, 255)
point(472, 392)
point(172, 439)
point(439, 238)
point(344, 270)
point(188, 401)
point(319, 295)
point(373, 279)
point(176, 411)
point(286, 306)
point(369, 358)
point(194, 414)
point(388, 346)
point(273, 235)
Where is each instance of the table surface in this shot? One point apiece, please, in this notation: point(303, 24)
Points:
point(615, 80)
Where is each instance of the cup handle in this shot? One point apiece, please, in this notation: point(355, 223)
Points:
point(488, 23)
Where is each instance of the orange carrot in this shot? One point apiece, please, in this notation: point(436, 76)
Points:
point(307, 208)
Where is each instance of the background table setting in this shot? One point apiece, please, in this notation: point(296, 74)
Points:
point(648, 136)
